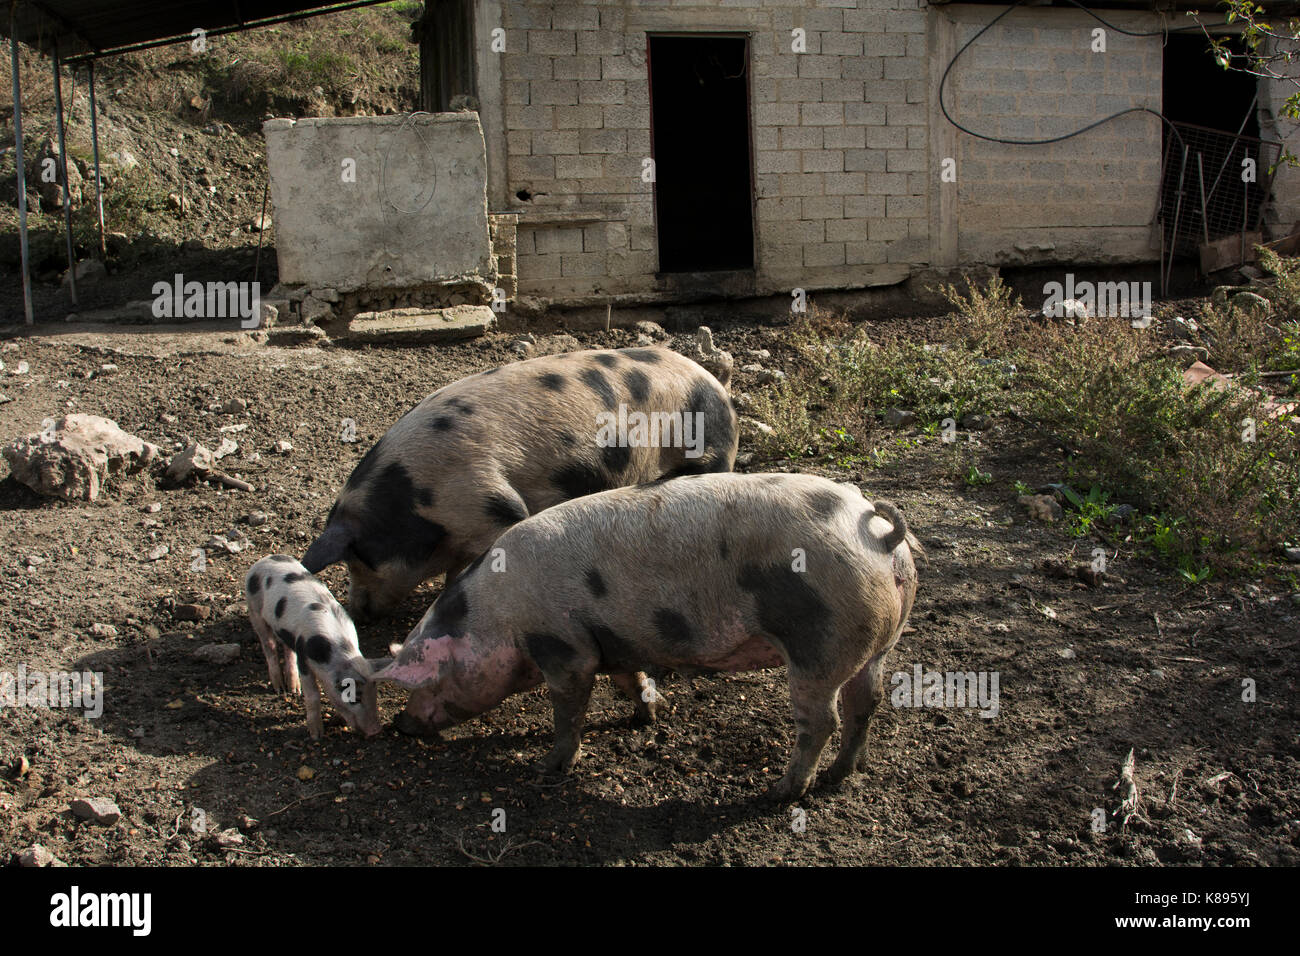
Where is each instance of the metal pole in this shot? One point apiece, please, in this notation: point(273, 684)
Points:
point(1205, 219)
point(63, 171)
point(257, 260)
point(1178, 208)
point(22, 181)
point(94, 147)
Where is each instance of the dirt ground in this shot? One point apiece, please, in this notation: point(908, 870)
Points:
point(188, 749)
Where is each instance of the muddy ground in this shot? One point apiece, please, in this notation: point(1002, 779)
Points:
point(187, 749)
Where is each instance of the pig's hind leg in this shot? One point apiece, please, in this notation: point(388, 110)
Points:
point(815, 719)
point(269, 651)
point(861, 695)
point(642, 692)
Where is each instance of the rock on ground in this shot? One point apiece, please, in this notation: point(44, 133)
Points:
point(76, 457)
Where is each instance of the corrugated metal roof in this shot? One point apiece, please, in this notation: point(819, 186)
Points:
point(102, 27)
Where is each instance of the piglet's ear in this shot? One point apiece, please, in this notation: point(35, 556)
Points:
point(378, 663)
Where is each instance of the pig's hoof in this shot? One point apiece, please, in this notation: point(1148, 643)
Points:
point(557, 763)
point(645, 714)
point(405, 723)
point(784, 792)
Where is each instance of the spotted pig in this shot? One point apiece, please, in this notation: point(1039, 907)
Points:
point(487, 451)
point(712, 572)
point(295, 615)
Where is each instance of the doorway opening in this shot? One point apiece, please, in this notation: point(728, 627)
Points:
point(699, 128)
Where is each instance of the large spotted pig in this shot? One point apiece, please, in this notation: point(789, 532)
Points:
point(488, 451)
point(712, 572)
point(295, 615)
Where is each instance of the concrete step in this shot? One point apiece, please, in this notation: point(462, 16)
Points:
point(419, 325)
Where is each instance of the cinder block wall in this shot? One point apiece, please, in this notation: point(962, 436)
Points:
point(840, 139)
point(1033, 76)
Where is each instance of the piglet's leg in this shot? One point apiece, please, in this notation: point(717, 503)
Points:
point(311, 697)
point(642, 692)
point(291, 680)
point(269, 651)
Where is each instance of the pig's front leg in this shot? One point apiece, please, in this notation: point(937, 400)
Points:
point(311, 698)
point(643, 694)
point(570, 674)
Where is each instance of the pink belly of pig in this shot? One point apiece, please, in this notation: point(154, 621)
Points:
point(753, 654)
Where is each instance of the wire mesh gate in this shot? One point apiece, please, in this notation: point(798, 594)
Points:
point(1202, 193)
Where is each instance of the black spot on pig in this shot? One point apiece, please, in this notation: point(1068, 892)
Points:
point(638, 384)
point(566, 439)
point(616, 458)
point(504, 509)
point(552, 381)
point(315, 606)
point(389, 528)
point(282, 559)
point(424, 496)
point(673, 629)
point(268, 580)
point(461, 406)
point(607, 359)
point(318, 648)
point(616, 655)
point(789, 610)
point(361, 474)
point(287, 637)
point(596, 584)
point(254, 584)
point(719, 421)
point(578, 479)
point(824, 503)
point(280, 606)
point(595, 380)
point(649, 356)
point(549, 652)
point(452, 610)
point(441, 423)
point(293, 577)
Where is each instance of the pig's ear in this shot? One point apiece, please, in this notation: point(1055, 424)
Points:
point(378, 663)
point(414, 664)
point(331, 547)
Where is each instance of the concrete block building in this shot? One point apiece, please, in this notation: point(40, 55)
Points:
point(662, 149)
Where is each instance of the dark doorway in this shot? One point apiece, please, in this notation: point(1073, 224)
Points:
point(699, 122)
point(1215, 126)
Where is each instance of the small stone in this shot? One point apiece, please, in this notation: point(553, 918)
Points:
point(228, 838)
point(347, 786)
point(247, 823)
point(37, 855)
point(1042, 508)
point(158, 553)
point(282, 447)
point(75, 456)
point(103, 631)
point(975, 422)
point(234, 406)
point(227, 447)
point(194, 460)
point(652, 330)
point(305, 772)
point(35, 560)
point(217, 653)
point(1252, 304)
point(1188, 355)
point(22, 767)
point(255, 519)
point(1067, 653)
point(1292, 554)
point(101, 810)
point(898, 418)
point(153, 508)
point(191, 612)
